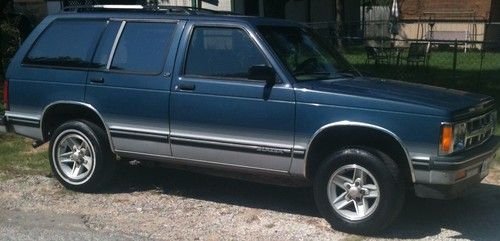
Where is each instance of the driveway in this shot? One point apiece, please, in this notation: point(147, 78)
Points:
point(163, 204)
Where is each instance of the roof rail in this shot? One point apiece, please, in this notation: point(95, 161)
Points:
point(144, 8)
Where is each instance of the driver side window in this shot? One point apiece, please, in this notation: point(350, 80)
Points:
point(226, 53)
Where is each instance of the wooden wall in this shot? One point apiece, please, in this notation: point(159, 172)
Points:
point(415, 9)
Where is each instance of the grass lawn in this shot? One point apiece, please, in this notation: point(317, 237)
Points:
point(498, 152)
point(18, 158)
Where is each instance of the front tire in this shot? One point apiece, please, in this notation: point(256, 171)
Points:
point(359, 190)
point(80, 156)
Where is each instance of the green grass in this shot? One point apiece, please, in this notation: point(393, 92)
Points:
point(498, 152)
point(17, 158)
point(470, 74)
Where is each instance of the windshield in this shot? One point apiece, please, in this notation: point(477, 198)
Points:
point(305, 55)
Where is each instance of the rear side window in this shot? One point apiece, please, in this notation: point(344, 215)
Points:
point(222, 52)
point(143, 47)
point(66, 43)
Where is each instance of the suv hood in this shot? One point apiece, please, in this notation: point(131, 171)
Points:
point(390, 95)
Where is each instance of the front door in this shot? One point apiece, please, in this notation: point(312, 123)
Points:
point(218, 115)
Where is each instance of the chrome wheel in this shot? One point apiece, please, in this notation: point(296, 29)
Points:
point(353, 192)
point(74, 157)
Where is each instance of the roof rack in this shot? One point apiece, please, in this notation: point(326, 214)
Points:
point(144, 8)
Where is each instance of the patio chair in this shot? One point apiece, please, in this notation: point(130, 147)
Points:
point(376, 55)
point(418, 53)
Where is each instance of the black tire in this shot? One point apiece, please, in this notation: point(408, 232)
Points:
point(104, 162)
point(391, 189)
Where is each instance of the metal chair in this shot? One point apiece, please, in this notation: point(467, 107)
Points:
point(376, 55)
point(418, 53)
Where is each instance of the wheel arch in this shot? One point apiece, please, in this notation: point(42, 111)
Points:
point(341, 134)
point(70, 110)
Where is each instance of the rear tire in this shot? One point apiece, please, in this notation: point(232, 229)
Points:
point(80, 156)
point(361, 203)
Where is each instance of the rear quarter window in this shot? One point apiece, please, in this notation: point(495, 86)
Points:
point(66, 43)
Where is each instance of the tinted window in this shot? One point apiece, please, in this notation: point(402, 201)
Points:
point(143, 47)
point(305, 55)
point(222, 52)
point(67, 43)
point(105, 44)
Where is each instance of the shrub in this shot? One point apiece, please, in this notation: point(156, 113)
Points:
point(10, 40)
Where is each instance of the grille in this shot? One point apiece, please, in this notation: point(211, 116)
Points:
point(480, 129)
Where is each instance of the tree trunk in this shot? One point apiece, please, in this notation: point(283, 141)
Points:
point(339, 22)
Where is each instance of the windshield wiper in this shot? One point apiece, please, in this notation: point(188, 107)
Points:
point(311, 73)
point(348, 73)
point(345, 75)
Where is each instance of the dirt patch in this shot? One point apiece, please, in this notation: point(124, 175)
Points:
point(494, 176)
point(165, 204)
point(30, 150)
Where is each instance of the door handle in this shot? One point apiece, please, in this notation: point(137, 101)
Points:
point(185, 86)
point(97, 80)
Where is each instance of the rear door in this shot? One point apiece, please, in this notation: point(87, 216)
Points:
point(221, 117)
point(51, 66)
point(130, 83)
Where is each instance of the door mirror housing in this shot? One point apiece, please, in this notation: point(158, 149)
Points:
point(262, 72)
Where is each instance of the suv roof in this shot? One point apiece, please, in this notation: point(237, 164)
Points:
point(171, 12)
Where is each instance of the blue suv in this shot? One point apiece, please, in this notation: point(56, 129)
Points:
point(245, 97)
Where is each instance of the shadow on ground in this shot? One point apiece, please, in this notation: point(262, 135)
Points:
point(475, 216)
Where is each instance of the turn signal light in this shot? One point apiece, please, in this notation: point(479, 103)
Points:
point(460, 175)
point(446, 143)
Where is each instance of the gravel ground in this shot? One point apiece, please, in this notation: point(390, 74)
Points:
point(163, 204)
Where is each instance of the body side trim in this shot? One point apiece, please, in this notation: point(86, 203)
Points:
point(140, 136)
point(14, 115)
point(229, 140)
point(24, 122)
point(194, 162)
point(231, 146)
point(421, 158)
point(115, 128)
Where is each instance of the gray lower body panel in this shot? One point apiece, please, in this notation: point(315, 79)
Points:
point(448, 177)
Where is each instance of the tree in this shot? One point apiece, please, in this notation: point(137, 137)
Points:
point(10, 36)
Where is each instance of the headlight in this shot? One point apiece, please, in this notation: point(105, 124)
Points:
point(452, 137)
point(466, 134)
point(459, 132)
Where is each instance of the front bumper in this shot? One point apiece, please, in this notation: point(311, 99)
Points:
point(4, 127)
point(448, 177)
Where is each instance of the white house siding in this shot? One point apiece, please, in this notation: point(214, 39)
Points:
point(175, 2)
point(219, 5)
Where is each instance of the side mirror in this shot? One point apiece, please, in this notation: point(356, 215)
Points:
point(262, 72)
